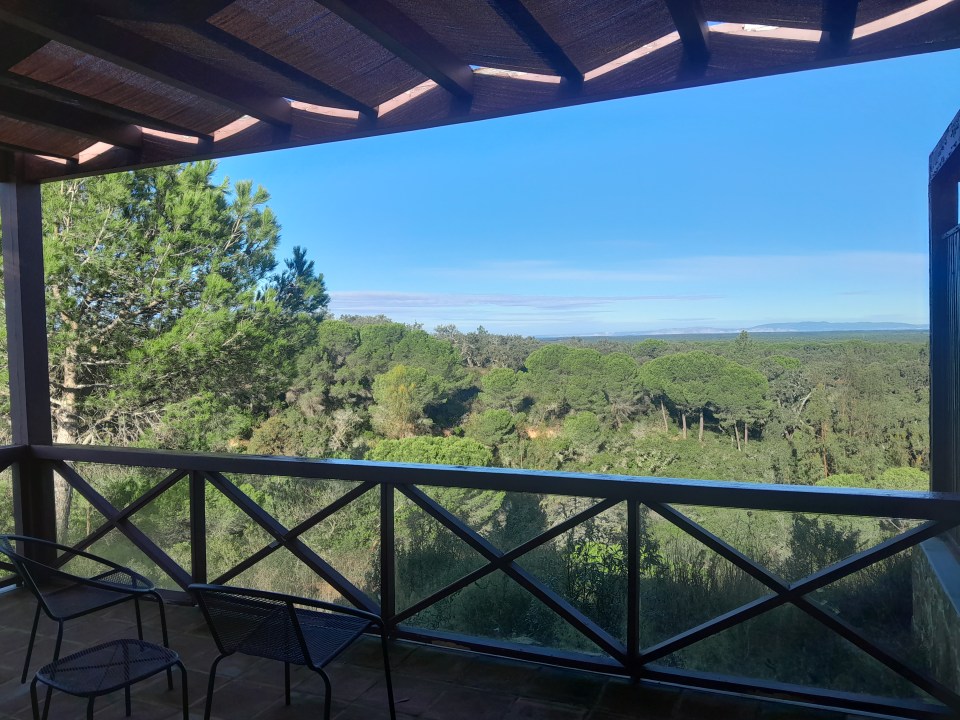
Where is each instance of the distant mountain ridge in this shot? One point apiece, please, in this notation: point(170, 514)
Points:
point(784, 327)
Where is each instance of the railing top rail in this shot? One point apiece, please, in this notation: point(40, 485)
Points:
point(12, 453)
point(750, 496)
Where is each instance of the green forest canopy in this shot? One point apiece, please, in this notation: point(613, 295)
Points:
point(172, 324)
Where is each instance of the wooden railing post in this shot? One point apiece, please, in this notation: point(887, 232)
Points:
point(388, 556)
point(198, 527)
point(23, 284)
point(945, 313)
point(633, 586)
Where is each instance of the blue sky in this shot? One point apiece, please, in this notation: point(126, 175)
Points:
point(797, 197)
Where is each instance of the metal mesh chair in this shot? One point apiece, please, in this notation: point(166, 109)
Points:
point(69, 583)
point(280, 627)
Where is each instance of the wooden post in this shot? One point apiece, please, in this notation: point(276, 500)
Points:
point(23, 284)
point(945, 313)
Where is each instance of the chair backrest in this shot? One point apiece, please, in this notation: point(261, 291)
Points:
point(46, 566)
point(252, 622)
point(32, 572)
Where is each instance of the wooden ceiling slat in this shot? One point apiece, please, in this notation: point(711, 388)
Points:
point(41, 111)
point(388, 26)
point(691, 22)
point(88, 33)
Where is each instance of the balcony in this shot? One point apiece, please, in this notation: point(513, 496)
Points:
point(706, 618)
point(432, 683)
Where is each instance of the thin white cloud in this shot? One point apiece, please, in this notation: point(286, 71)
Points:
point(547, 270)
point(697, 269)
point(363, 301)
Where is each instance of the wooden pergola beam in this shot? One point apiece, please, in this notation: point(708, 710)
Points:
point(838, 23)
point(34, 150)
point(185, 12)
point(16, 45)
point(41, 111)
point(537, 38)
point(194, 15)
point(92, 105)
point(83, 31)
point(266, 60)
point(395, 31)
point(691, 23)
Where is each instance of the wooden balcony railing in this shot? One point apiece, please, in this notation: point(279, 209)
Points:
point(936, 512)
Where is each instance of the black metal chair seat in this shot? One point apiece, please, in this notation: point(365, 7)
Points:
point(95, 584)
point(68, 599)
point(292, 630)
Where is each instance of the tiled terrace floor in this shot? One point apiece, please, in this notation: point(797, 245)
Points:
point(430, 683)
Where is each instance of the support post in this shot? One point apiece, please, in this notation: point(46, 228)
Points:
point(633, 587)
point(198, 527)
point(23, 284)
point(945, 313)
point(387, 557)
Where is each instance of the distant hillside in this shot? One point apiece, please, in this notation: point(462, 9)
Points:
point(784, 327)
point(834, 327)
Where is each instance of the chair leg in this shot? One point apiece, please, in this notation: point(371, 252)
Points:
point(126, 700)
point(183, 682)
point(386, 672)
point(286, 682)
point(213, 675)
point(56, 656)
point(90, 709)
point(33, 636)
point(327, 695)
point(136, 605)
point(163, 630)
point(34, 704)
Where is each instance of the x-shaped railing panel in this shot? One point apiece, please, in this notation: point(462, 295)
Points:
point(795, 593)
point(633, 659)
point(576, 619)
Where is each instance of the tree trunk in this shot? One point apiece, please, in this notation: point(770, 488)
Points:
point(684, 415)
point(746, 433)
point(701, 427)
point(663, 411)
point(736, 434)
point(823, 451)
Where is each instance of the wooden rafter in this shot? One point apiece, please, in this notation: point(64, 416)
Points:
point(194, 15)
point(47, 113)
point(266, 60)
point(34, 150)
point(185, 12)
point(388, 26)
point(839, 21)
point(16, 45)
point(90, 34)
point(691, 22)
point(71, 100)
point(537, 37)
